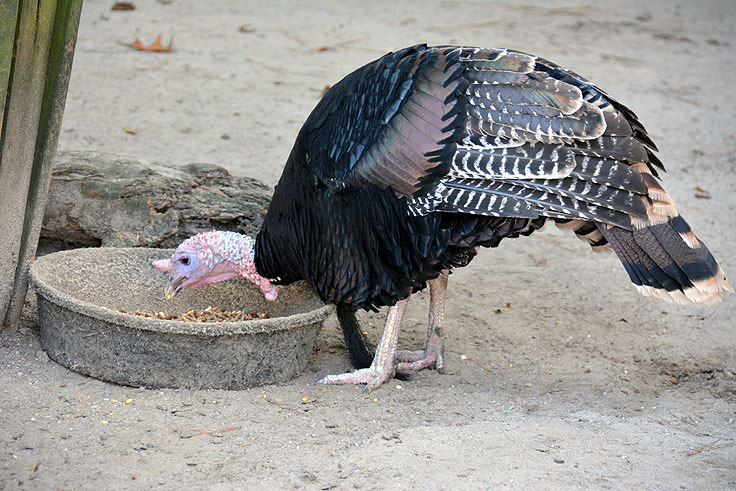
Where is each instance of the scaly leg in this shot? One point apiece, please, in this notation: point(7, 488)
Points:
point(434, 351)
point(382, 368)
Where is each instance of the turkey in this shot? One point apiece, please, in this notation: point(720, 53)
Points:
point(410, 163)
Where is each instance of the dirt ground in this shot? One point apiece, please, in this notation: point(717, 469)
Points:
point(559, 375)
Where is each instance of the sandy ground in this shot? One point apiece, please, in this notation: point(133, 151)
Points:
point(558, 374)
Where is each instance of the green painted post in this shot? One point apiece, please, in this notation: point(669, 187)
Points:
point(8, 14)
point(36, 50)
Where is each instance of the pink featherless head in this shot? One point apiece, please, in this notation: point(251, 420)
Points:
point(211, 257)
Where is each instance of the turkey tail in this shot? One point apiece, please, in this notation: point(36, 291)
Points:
point(585, 230)
point(360, 355)
point(662, 254)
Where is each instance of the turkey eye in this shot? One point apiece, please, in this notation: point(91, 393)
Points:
point(184, 261)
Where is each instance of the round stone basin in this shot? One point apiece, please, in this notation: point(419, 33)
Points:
point(80, 295)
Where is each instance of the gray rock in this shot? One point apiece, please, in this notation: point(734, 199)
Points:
point(99, 199)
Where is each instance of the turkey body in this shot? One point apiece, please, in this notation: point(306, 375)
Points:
point(410, 163)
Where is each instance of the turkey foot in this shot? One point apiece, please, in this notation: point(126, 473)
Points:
point(382, 368)
point(372, 379)
point(431, 357)
point(433, 354)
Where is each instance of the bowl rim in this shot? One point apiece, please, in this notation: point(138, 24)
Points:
point(42, 266)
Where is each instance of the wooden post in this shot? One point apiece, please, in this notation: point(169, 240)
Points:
point(37, 40)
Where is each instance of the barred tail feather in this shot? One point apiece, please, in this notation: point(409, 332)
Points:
point(585, 230)
point(666, 259)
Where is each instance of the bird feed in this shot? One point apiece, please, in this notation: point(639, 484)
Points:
point(210, 314)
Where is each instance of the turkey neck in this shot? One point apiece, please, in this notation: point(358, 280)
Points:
point(277, 254)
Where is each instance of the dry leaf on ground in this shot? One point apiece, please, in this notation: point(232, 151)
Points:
point(154, 46)
point(123, 6)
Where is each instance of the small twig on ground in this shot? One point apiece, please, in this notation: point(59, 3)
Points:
point(709, 447)
point(465, 357)
point(204, 431)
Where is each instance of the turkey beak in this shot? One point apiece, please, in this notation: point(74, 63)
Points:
point(173, 286)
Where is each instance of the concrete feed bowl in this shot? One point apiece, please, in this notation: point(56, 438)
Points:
point(80, 295)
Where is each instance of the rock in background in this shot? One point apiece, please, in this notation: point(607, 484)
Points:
point(99, 199)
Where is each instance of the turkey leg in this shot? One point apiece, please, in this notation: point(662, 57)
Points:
point(382, 368)
point(433, 354)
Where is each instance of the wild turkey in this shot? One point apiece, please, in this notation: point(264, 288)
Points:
point(411, 162)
